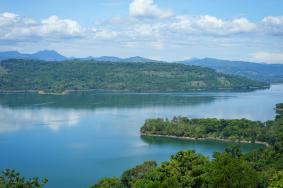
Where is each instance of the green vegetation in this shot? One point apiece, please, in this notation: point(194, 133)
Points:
point(235, 130)
point(57, 77)
point(231, 168)
point(12, 179)
point(279, 106)
point(279, 109)
point(189, 169)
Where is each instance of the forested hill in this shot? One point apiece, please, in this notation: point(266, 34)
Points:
point(56, 77)
point(272, 73)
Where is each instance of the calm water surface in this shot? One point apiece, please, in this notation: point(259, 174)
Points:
point(76, 139)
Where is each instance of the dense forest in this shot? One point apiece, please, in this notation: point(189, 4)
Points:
point(57, 77)
point(231, 168)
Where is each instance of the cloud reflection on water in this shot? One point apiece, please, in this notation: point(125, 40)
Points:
point(16, 119)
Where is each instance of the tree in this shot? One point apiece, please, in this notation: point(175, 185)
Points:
point(277, 180)
point(109, 183)
point(130, 176)
point(228, 169)
point(13, 179)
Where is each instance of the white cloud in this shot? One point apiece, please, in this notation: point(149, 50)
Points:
point(182, 23)
point(209, 22)
point(7, 18)
point(274, 20)
point(273, 25)
point(212, 25)
point(146, 29)
point(104, 34)
point(15, 27)
point(267, 57)
point(147, 9)
point(53, 24)
point(19, 28)
point(241, 25)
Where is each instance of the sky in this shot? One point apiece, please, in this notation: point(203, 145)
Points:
point(250, 30)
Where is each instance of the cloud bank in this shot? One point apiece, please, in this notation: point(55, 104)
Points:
point(267, 57)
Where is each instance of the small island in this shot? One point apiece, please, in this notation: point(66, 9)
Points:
point(237, 130)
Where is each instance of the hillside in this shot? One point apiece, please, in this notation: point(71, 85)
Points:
point(83, 75)
point(257, 71)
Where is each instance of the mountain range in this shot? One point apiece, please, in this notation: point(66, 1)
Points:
point(136, 59)
point(272, 73)
point(51, 55)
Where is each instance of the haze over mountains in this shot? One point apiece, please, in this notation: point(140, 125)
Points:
point(46, 55)
point(135, 59)
point(257, 71)
point(51, 55)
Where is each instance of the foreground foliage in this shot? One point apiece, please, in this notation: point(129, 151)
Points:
point(12, 179)
point(57, 77)
point(229, 169)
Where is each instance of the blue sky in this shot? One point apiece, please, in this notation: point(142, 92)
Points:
point(161, 29)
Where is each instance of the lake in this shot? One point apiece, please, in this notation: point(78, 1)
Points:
point(76, 139)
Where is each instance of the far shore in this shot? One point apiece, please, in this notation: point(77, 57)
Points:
point(65, 92)
point(208, 138)
point(41, 92)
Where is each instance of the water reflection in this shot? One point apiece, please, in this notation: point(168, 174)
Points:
point(100, 100)
point(25, 110)
point(18, 119)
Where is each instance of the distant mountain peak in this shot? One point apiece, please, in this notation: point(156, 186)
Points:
point(134, 59)
point(46, 55)
point(47, 51)
point(138, 59)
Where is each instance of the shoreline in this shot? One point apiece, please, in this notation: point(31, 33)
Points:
point(66, 92)
point(208, 138)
